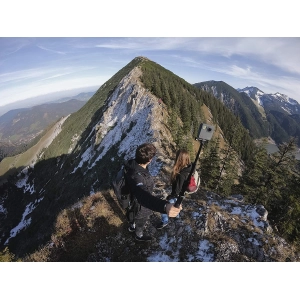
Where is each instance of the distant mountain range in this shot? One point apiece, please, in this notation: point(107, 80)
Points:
point(19, 127)
point(81, 97)
point(264, 115)
point(78, 93)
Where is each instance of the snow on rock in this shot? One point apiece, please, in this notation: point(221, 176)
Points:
point(131, 118)
point(3, 210)
point(208, 230)
point(25, 222)
point(22, 183)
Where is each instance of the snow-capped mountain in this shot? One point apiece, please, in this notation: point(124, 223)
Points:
point(254, 93)
point(264, 115)
point(286, 103)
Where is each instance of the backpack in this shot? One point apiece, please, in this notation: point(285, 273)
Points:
point(121, 189)
point(194, 183)
point(126, 200)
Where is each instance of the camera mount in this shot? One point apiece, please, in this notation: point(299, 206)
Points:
point(205, 133)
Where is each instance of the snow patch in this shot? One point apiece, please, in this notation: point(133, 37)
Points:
point(127, 123)
point(24, 223)
point(3, 210)
point(22, 183)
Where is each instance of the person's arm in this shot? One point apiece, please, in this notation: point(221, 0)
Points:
point(148, 200)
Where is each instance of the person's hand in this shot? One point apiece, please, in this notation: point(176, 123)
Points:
point(172, 211)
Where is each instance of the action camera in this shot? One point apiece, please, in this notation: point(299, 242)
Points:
point(205, 132)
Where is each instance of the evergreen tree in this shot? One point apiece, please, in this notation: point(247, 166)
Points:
point(165, 94)
point(228, 167)
point(290, 225)
point(273, 180)
point(252, 181)
point(210, 165)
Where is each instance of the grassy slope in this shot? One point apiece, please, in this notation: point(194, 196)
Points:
point(9, 164)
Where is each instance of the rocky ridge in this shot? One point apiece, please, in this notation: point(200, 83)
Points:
point(208, 230)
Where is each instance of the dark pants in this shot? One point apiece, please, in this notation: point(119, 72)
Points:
point(140, 220)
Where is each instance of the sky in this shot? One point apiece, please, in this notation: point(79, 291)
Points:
point(31, 66)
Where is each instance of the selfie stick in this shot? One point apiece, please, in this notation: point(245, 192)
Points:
point(205, 133)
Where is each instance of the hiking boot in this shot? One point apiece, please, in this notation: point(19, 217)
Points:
point(143, 238)
point(161, 225)
point(131, 228)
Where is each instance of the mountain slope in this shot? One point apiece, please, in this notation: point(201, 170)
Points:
point(143, 102)
point(88, 150)
point(84, 96)
point(9, 165)
point(21, 126)
point(282, 114)
point(264, 115)
point(240, 104)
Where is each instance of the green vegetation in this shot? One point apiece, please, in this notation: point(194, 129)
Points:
point(240, 105)
point(184, 102)
point(23, 128)
point(272, 120)
point(274, 181)
point(210, 165)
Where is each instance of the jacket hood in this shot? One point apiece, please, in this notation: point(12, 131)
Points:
point(132, 165)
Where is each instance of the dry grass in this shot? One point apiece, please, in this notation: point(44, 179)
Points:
point(78, 229)
point(7, 256)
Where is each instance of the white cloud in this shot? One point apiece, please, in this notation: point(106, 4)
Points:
point(35, 88)
point(246, 59)
point(50, 50)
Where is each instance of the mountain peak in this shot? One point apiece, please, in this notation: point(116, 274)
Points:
point(251, 90)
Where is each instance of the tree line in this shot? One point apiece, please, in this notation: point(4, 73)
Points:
point(240, 167)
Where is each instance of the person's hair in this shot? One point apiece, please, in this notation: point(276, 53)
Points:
point(144, 153)
point(182, 160)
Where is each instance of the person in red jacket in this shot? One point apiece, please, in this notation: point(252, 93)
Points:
point(181, 169)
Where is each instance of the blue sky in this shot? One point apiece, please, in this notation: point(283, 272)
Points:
point(33, 66)
point(52, 46)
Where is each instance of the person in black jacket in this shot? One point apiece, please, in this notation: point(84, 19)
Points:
point(181, 169)
point(142, 184)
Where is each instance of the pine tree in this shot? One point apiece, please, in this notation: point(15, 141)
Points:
point(252, 181)
point(165, 94)
point(274, 181)
point(228, 168)
point(290, 225)
point(210, 165)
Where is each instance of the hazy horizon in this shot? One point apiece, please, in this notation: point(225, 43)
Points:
point(44, 98)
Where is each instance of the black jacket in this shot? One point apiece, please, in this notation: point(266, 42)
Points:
point(142, 184)
point(179, 181)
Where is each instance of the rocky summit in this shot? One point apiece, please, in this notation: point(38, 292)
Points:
point(208, 230)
